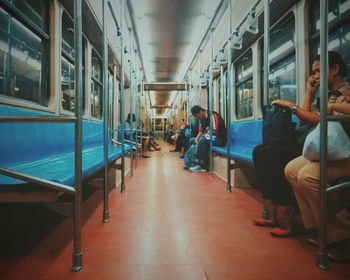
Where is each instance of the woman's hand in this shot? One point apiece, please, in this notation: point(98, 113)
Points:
point(283, 103)
point(312, 84)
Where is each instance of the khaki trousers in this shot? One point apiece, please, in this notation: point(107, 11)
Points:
point(303, 175)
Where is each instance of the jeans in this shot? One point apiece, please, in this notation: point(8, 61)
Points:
point(203, 149)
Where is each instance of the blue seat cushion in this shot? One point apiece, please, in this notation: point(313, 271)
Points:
point(46, 150)
point(60, 168)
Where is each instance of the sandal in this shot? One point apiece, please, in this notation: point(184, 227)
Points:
point(264, 222)
point(146, 156)
point(280, 232)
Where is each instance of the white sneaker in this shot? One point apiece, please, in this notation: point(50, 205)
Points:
point(197, 168)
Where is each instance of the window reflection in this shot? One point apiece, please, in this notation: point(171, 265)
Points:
point(68, 90)
point(244, 87)
point(339, 34)
point(22, 58)
point(282, 75)
point(96, 86)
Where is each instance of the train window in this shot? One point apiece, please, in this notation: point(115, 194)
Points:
point(68, 65)
point(244, 86)
point(96, 86)
point(282, 76)
point(339, 29)
point(24, 57)
point(223, 96)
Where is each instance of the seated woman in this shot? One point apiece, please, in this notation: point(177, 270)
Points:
point(145, 140)
point(270, 160)
point(304, 175)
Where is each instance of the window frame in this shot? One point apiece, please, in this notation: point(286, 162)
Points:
point(45, 100)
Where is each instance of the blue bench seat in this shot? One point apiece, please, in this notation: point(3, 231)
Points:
point(245, 136)
point(46, 150)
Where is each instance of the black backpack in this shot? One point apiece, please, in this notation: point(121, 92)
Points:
point(277, 126)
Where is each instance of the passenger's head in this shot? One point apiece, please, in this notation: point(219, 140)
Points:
point(133, 118)
point(198, 112)
point(337, 71)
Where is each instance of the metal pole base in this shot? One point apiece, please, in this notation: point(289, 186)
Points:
point(77, 262)
point(322, 260)
point(105, 216)
point(229, 187)
point(122, 188)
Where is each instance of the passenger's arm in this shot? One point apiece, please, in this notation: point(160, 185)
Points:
point(303, 114)
point(343, 108)
point(199, 135)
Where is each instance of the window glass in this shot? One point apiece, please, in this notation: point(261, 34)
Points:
point(68, 65)
point(339, 33)
point(34, 10)
point(244, 86)
point(24, 71)
point(282, 76)
point(337, 9)
point(96, 86)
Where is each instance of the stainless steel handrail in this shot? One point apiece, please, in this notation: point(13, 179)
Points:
point(338, 187)
point(54, 119)
point(105, 214)
point(38, 181)
point(78, 211)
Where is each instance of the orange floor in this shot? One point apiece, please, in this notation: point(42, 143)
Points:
point(169, 224)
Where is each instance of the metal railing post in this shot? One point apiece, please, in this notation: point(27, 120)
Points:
point(266, 50)
point(322, 261)
point(105, 114)
point(130, 107)
point(228, 118)
point(211, 106)
point(122, 101)
point(78, 47)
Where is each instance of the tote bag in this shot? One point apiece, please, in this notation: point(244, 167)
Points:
point(277, 126)
point(338, 143)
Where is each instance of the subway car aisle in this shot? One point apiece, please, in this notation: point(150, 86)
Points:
point(170, 224)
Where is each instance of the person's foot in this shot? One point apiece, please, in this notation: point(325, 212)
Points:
point(264, 222)
point(284, 218)
point(146, 156)
point(173, 151)
point(197, 168)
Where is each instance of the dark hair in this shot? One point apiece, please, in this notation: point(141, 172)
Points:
point(333, 59)
point(196, 109)
point(133, 117)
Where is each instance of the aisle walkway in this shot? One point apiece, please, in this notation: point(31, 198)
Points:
point(171, 224)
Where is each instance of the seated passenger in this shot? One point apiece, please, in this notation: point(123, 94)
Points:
point(145, 140)
point(304, 175)
point(270, 160)
point(203, 138)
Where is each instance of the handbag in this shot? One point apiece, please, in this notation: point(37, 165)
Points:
point(277, 126)
point(338, 146)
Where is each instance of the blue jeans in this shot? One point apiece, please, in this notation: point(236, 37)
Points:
point(203, 149)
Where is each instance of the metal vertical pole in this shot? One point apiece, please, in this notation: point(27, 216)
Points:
point(228, 117)
point(200, 85)
point(322, 244)
point(122, 102)
point(78, 47)
point(266, 50)
point(229, 105)
point(130, 107)
point(105, 114)
point(211, 105)
point(136, 115)
point(141, 124)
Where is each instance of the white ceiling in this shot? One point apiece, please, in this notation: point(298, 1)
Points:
point(169, 33)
